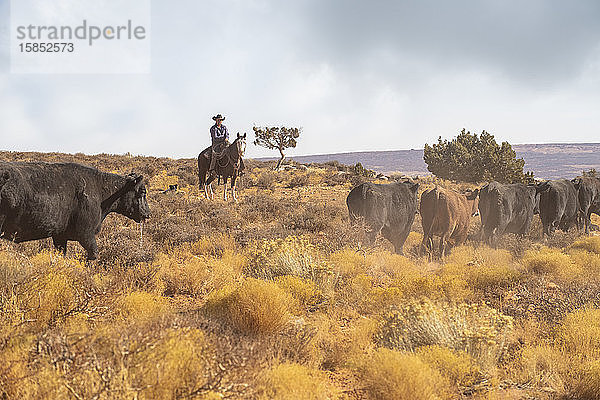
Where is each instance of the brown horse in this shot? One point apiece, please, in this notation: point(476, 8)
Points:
point(227, 166)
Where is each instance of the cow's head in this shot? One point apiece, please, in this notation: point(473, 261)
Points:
point(473, 201)
point(133, 203)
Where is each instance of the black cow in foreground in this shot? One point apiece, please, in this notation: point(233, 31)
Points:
point(505, 209)
point(589, 198)
point(65, 202)
point(387, 209)
point(558, 205)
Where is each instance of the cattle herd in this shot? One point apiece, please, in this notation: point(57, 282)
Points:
point(68, 202)
point(390, 210)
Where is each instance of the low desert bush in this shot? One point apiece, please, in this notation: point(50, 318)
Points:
point(585, 266)
point(479, 330)
point(313, 218)
point(43, 290)
point(459, 367)
point(253, 307)
point(142, 307)
point(579, 333)
point(298, 180)
point(341, 346)
point(438, 287)
point(173, 367)
point(587, 386)
point(394, 375)
point(543, 366)
point(182, 272)
point(367, 298)
point(482, 267)
point(305, 292)
point(290, 256)
point(294, 381)
point(546, 261)
point(268, 179)
point(214, 245)
point(162, 181)
point(589, 243)
point(348, 263)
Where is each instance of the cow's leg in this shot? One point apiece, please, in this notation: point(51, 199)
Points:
point(372, 235)
point(444, 245)
point(587, 220)
point(424, 245)
point(399, 242)
point(2, 219)
point(492, 238)
point(88, 242)
point(60, 244)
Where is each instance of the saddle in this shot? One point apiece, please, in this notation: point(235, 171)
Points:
point(219, 151)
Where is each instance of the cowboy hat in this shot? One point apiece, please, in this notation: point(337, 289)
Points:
point(218, 116)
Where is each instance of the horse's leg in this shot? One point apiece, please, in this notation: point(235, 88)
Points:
point(225, 188)
point(234, 188)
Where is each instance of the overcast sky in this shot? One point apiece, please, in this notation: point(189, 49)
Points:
point(355, 75)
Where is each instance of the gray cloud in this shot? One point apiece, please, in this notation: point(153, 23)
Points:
point(537, 42)
point(355, 75)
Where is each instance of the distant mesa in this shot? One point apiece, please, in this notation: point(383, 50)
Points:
point(547, 161)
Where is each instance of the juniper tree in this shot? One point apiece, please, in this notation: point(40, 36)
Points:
point(475, 158)
point(279, 138)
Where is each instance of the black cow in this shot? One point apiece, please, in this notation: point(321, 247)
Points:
point(504, 209)
point(589, 198)
point(387, 209)
point(65, 202)
point(558, 205)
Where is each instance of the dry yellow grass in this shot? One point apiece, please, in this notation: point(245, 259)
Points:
point(459, 367)
point(393, 375)
point(588, 385)
point(273, 297)
point(294, 381)
point(544, 366)
point(252, 307)
point(580, 333)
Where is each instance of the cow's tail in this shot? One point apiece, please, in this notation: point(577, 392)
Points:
point(497, 198)
point(356, 211)
point(434, 211)
point(553, 213)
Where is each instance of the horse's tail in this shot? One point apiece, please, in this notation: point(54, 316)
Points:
point(201, 171)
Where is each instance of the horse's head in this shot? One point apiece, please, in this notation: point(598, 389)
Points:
point(240, 143)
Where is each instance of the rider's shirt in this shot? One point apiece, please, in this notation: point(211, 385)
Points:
point(219, 134)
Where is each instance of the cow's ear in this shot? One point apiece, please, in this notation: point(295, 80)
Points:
point(542, 187)
point(134, 178)
point(472, 195)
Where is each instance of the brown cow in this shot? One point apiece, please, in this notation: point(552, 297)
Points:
point(446, 213)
